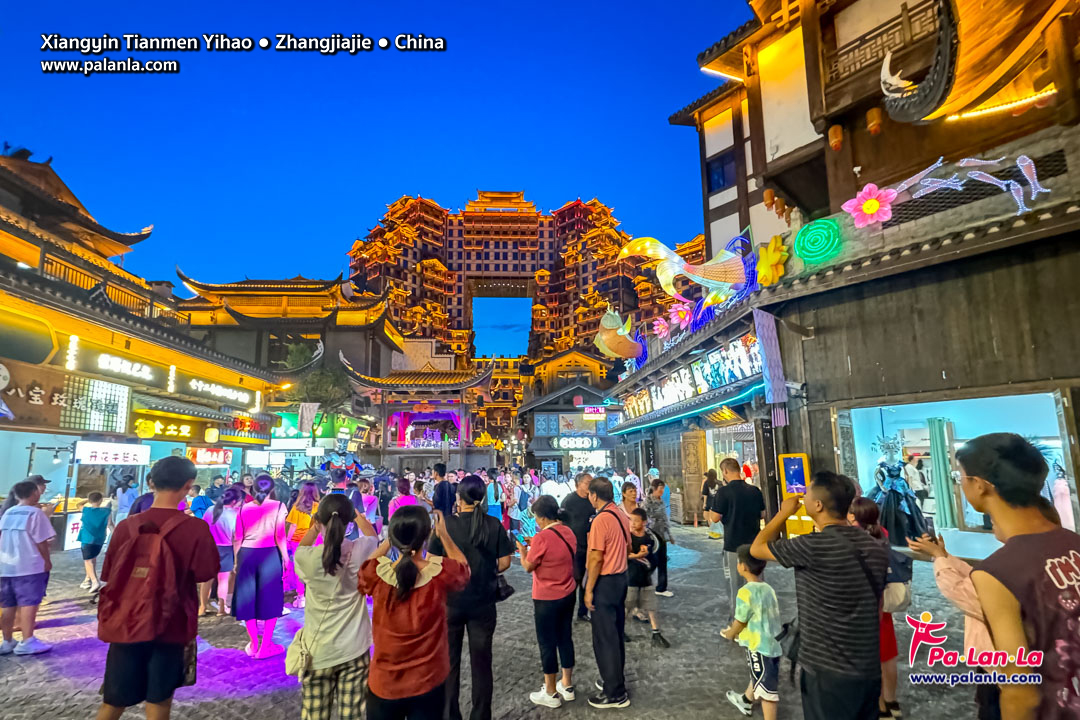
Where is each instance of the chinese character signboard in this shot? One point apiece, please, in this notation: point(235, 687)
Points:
point(594, 412)
point(224, 394)
point(210, 457)
point(27, 395)
point(41, 396)
point(103, 453)
point(149, 427)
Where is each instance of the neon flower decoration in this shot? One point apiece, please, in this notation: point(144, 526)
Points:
point(660, 328)
point(681, 315)
point(770, 267)
point(871, 205)
point(819, 241)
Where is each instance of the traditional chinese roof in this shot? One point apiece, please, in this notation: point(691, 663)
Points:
point(578, 351)
point(76, 302)
point(571, 388)
point(729, 41)
point(67, 213)
point(296, 285)
point(425, 380)
point(685, 116)
point(141, 401)
point(984, 59)
point(500, 201)
point(283, 323)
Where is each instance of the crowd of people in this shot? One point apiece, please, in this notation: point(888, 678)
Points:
point(427, 554)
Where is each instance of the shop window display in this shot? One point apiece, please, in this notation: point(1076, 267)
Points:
point(900, 448)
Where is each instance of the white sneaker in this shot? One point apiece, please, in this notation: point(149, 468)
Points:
point(85, 584)
point(33, 646)
point(567, 693)
point(8, 646)
point(739, 701)
point(665, 593)
point(541, 697)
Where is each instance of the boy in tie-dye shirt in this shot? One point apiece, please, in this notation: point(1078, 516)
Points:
point(756, 625)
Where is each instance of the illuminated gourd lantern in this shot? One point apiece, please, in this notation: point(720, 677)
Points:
point(874, 119)
point(836, 137)
point(769, 197)
point(780, 205)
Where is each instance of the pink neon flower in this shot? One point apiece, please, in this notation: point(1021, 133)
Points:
point(660, 328)
point(871, 205)
point(681, 315)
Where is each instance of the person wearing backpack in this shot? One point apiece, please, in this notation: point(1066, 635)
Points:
point(864, 513)
point(550, 558)
point(148, 607)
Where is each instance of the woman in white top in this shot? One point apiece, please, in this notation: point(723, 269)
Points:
point(222, 520)
point(337, 631)
point(259, 543)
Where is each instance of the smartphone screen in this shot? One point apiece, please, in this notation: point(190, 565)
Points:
point(930, 529)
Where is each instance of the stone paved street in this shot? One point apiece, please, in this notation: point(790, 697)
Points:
point(687, 681)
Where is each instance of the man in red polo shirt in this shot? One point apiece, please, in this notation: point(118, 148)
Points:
point(605, 592)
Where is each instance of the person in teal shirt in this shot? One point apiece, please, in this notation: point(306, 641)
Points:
point(494, 499)
point(756, 625)
point(94, 526)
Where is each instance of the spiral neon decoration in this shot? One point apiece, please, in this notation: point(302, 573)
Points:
point(818, 241)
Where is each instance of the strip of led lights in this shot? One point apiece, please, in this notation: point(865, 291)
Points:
point(1002, 108)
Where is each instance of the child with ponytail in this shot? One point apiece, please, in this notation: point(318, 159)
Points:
point(411, 659)
point(336, 636)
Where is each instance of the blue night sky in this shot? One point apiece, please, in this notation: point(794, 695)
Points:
point(269, 164)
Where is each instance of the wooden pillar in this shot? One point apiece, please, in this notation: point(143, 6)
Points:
point(1059, 43)
point(815, 84)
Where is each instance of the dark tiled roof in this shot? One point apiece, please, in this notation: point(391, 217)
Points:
point(727, 42)
point(685, 116)
point(283, 322)
point(79, 215)
point(149, 402)
point(74, 301)
point(543, 400)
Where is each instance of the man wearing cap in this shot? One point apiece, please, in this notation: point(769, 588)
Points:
point(42, 485)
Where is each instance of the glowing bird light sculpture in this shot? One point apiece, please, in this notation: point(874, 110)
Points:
point(724, 276)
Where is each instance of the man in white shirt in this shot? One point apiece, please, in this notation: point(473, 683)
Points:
point(556, 489)
point(25, 532)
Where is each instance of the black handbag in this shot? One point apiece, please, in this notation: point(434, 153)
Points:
point(503, 589)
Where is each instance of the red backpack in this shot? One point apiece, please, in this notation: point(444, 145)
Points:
point(141, 598)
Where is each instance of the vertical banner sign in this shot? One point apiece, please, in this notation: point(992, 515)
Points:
point(772, 366)
point(306, 418)
point(766, 444)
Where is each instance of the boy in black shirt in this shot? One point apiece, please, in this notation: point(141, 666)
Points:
point(639, 595)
